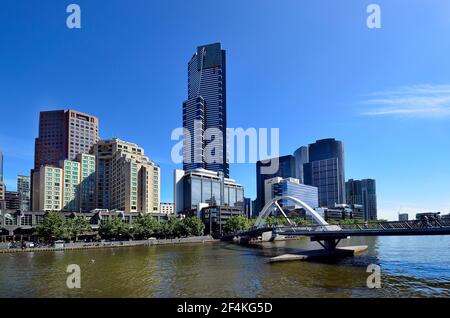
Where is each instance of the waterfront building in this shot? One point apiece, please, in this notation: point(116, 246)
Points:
point(166, 208)
point(277, 187)
point(428, 215)
point(126, 179)
point(26, 222)
point(363, 192)
point(23, 187)
point(199, 188)
point(206, 108)
point(70, 186)
point(286, 169)
point(403, 217)
point(325, 170)
point(47, 189)
point(215, 217)
point(342, 212)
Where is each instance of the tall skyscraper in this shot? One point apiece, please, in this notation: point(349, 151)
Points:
point(23, 187)
point(205, 108)
point(1, 165)
point(63, 134)
point(126, 179)
point(363, 192)
point(286, 169)
point(325, 170)
point(301, 156)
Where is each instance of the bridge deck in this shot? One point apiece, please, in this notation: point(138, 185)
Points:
point(398, 228)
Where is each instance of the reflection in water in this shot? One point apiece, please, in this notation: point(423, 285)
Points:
point(411, 267)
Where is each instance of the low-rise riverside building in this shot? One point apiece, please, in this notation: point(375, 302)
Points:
point(13, 222)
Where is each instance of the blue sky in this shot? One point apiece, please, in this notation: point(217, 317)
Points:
point(311, 68)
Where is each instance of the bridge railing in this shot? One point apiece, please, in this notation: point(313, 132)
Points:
point(376, 226)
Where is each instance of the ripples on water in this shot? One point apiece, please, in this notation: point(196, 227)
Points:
point(411, 267)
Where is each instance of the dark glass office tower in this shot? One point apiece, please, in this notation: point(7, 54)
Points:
point(325, 170)
point(1, 165)
point(206, 108)
point(286, 169)
point(363, 192)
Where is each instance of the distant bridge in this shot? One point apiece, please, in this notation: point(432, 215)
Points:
point(328, 236)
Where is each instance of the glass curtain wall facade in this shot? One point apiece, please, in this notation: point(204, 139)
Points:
point(205, 109)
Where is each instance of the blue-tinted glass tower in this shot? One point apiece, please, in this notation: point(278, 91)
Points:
point(325, 170)
point(205, 108)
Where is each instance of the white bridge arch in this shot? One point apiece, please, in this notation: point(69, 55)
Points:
point(267, 210)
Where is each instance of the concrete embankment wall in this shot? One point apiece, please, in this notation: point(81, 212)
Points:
point(114, 244)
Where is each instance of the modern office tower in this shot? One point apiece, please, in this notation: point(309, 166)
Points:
point(248, 209)
point(286, 169)
point(126, 179)
point(363, 192)
point(403, 217)
point(71, 185)
point(166, 208)
point(199, 188)
point(277, 187)
point(23, 187)
point(62, 135)
point(1, 165)
point(325, 170)
point(12, 200)
point(47, 189)
point(301, 156)
point(205, 109)
point(87, 182)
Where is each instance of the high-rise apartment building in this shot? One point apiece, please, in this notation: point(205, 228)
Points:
point(126, 179)
point(23, 187)
point(63, 134)
point(205, 109)
point(325, 170)
point(363, 192)
point(47, 189)
point(69, 187)
point(87, 182)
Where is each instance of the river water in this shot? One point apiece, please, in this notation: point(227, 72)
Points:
point(410, 267)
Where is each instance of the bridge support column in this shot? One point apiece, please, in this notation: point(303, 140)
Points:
point(329, 244)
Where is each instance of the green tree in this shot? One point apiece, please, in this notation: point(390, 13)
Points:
point(52, 227)
point(192, 226)
point(237, 223)
point(76, 227)
point(115, 228)
point(145, 227)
